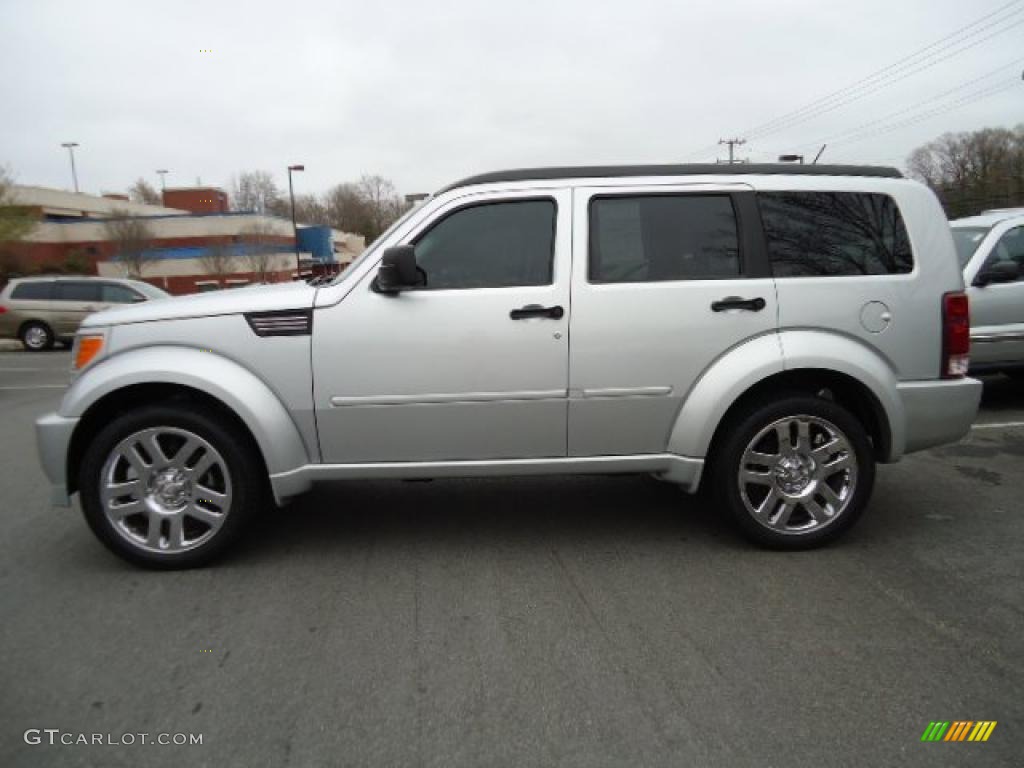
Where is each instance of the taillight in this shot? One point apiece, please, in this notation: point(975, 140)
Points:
point(2, 309)
point(956, 335)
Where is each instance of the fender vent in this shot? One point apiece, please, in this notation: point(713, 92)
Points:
point(288, 322)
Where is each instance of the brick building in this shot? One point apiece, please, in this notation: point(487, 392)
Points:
point(197, 246)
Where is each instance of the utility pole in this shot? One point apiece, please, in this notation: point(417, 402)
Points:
point(295, 228)
point(70, 147)
point(733, 143)
point(163, 180)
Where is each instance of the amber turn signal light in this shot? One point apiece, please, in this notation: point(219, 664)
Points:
point(88, 348)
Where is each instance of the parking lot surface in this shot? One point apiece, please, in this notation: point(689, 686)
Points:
point(556, 621)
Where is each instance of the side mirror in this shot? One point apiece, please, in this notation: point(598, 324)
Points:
point(397, 270)
point(1000, 272)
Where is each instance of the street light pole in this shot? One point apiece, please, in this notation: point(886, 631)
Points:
point(162, 173)
point(295, 228)
point(70, 147)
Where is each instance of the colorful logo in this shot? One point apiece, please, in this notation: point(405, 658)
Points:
point(959, 730)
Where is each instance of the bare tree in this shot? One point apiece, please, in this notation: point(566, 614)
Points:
point(144, 192)
point(218, 260)
point(367, 207)
point(16, 221)
point(973, 171)
point(131, 237)
point(255, 191)
point(259, 249)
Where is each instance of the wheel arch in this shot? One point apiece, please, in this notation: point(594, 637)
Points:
point(182, 375)
point(846, 371)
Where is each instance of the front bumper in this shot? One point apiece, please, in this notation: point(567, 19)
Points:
point(53, 437)
point(939, 411)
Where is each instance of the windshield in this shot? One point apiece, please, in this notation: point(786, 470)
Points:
point(372, 247)
point(967, 240)
point(150, 291)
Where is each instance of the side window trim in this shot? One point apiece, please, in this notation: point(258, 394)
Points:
point(751, 247)
point(415, 237)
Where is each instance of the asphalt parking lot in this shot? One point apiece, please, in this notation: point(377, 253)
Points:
point(557, 621)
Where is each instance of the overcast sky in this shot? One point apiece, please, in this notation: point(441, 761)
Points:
point(427, 92)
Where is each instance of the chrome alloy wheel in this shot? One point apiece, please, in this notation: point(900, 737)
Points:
point(798, 475)
point(165, 489)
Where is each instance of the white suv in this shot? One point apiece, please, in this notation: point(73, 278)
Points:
point(769, 331)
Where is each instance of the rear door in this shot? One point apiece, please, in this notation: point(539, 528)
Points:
point(72, 301)
point(665, 280)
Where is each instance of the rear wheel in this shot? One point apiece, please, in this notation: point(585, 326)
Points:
point(166, 487)
point(36, 336)
point(794, 473)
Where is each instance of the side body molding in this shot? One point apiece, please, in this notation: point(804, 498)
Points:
point(238, 388)
point(729, 377)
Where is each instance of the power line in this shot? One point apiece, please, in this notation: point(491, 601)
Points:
point(896, 77)
point(840, 137)
point(918, 61)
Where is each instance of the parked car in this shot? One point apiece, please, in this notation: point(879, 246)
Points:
point(991, 251)
point(769, 332)
point(44, 310)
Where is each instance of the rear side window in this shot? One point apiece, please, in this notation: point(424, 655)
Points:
point(77, 292)
point(38, 290)
point(816, 234)
point(118, 294)
point(663, 237)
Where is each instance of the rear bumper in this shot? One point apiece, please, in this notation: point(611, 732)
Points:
point(53, 436)
point(938, 412)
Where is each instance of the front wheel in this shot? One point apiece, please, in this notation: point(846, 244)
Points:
point(794, 473)
point(166, 487)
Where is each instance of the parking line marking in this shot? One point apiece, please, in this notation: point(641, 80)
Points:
point(999, 425)
point(38, 386)
point(26, 370)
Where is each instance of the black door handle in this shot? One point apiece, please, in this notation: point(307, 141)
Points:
point(536, 310)
point(735, 302)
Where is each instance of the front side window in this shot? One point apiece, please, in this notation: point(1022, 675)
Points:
point(1010, 248)
point(77, 292)
point(491, 245)
point(38, 290)
point(815, 234)
point(118, 294)
point(663, 237)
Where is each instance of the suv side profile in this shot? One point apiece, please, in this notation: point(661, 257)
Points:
point(991, 251)
point(768, 332)
point(44, 310)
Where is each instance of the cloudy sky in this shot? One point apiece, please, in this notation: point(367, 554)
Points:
point(427, 92)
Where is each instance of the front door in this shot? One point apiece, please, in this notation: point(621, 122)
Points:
point(997, 309)
point(473, 365)
point(666, 279)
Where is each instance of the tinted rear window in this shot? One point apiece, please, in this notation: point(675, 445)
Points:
point(663, 237)
point(33, 290)
point(813, 234)
point(77, 292)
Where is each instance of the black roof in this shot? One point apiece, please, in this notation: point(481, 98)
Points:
point(692, 169)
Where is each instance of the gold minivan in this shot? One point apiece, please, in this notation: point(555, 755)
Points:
point(44, 310)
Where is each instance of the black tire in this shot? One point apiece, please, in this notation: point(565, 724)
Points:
point(248, 485)
point(727, 462)
point(36, 336)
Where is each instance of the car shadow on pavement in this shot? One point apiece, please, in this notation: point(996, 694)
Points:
point(1001, 393)
point(558, 509)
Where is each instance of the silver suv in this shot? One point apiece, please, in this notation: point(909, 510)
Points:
point(769, 332)
point(991, 251)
